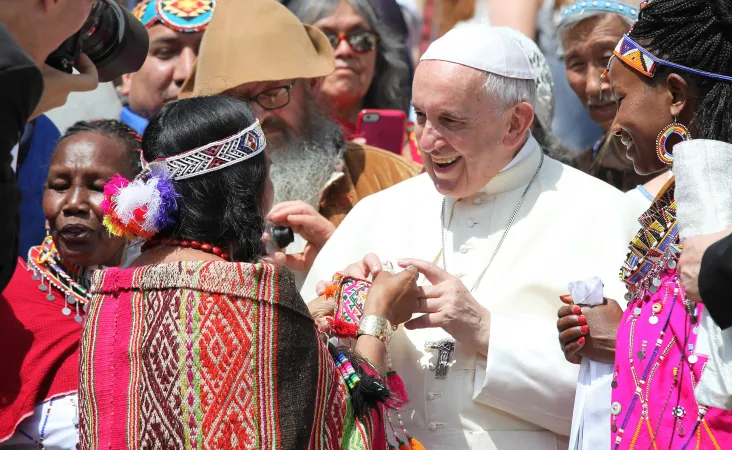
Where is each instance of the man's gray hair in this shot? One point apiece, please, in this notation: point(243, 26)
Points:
point(510, 91)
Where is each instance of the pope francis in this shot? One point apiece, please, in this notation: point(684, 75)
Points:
point(497, 230)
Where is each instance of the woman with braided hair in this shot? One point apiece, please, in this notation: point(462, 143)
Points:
point(671, 77)
point(43, 307)
point(199, 344)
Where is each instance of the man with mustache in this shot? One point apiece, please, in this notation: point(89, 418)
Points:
point(175, 29)
point(259, 51)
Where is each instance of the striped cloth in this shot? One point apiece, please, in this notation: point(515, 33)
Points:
point(210, 355)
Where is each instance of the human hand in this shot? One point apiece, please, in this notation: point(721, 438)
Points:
point(691, 259)
point(599, 331)
point(308, 223)
point(448, 304)
point(370, 265)
point(320, 309)
point(572, 327)
point(57, 85)
point(393, 297)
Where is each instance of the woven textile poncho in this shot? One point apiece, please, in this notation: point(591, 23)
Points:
point(210, 355)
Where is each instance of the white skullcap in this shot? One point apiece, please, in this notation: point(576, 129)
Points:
point(482, 47)
point(545, 102)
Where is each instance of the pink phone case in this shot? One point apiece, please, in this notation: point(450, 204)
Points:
point(383, 128)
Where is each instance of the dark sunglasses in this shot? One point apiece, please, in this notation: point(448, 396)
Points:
point(360, 41)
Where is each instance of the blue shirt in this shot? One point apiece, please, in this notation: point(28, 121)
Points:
point(39, 139)
point(135, 122)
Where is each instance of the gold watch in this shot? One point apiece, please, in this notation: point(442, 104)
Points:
point(375, 326)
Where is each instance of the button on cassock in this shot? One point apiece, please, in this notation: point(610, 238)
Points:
point(464, 249)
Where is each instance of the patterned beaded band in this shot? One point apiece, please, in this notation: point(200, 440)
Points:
point(610, 6)
point(246, 144)
point(184, 16)
point(141, 208)
point(640, 59)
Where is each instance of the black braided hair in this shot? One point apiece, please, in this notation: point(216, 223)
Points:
point(113, 129)
point(695, 34)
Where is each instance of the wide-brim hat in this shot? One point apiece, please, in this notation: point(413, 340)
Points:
point(253, 41)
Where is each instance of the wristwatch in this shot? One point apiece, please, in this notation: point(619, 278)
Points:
point(375, 326)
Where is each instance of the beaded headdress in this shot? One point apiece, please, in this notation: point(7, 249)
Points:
point(586, 7)
point(185, 16)
point(145, 206)
point(643, 61)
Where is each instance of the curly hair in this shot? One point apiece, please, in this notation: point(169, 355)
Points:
point(115, 130)
point(222, 207)
point(391, 87)
point(696, 34)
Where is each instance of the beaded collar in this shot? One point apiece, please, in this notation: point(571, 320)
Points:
point(73, 281)
point(654, 248)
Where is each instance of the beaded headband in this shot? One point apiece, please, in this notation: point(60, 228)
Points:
point(610, 6)
point(245, 144)
point(141, 208)
point(640, 59)
point(185, 16)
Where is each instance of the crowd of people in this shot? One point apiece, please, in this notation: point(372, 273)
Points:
point(543, 262)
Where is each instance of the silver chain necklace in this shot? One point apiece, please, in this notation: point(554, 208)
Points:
point(503, 237)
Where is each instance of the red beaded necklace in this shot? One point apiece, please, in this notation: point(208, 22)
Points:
point(174, 242)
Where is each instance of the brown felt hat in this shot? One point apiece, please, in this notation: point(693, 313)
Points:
point(256, 40)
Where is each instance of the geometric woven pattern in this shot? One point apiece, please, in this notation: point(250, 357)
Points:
point(209, 355)
point(635, 56)
point(184, 16)
point(216, 155)
point(352, 298)
point(646, 63)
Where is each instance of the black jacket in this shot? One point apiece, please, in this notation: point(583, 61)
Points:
point(715, 282)
point(21, 86)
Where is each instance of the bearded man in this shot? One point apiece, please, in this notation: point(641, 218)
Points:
point(259, 51)
point(498, 230)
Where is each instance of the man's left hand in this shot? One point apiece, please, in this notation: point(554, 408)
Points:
point(691, 259)
point(57, 85)
point(308, 223)
point(448, 304)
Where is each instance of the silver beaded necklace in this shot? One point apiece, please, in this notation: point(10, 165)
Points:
point(505, 233)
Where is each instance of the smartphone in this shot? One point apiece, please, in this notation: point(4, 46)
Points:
point(383, 128)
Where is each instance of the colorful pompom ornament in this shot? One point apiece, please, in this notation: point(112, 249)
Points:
point(140, 208)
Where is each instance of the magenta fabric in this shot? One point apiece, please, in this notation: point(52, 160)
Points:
point(659, 412)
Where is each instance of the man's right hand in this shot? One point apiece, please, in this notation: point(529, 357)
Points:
point(57, 85)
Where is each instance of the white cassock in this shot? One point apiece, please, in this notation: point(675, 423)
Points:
point(570, 227)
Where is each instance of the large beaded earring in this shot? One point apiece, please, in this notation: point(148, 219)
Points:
point(664, 154)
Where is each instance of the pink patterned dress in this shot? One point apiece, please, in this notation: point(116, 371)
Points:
point(657, 365)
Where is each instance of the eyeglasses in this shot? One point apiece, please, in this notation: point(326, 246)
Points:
point(274, 98)
point(360, 41)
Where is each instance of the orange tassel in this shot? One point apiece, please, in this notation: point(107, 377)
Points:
point(403, 446)
point(416, 445)
point(331, 291)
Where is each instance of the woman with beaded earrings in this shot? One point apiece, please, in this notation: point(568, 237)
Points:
point(43, 307)
point(671, 77)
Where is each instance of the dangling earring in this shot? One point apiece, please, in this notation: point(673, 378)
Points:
point(674, 128)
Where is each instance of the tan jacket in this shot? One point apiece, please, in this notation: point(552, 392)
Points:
point(367, 170)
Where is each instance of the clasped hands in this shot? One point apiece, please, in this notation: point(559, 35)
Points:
point(446, 303)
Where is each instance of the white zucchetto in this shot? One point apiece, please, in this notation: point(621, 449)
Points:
point(482, 47)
